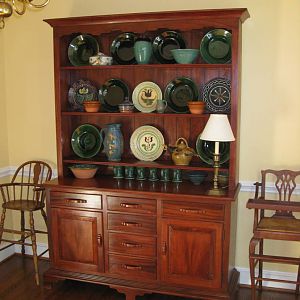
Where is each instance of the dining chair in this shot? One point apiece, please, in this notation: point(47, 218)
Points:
point(25, 193)
point(274, 219)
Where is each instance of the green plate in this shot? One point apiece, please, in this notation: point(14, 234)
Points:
point(81, 48)
point(205, 150)
point(215, 46)
point(178, 92)
point(86, 141)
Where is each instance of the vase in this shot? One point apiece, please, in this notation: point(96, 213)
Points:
point(113, 141)
point(142, 51)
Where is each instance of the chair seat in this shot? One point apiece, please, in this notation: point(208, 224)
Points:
point(25, 205)
point(280, 225)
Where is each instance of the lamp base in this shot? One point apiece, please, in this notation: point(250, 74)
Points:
point(216, 192)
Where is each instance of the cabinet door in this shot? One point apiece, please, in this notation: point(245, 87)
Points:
point(192, 253)
point(77, 240)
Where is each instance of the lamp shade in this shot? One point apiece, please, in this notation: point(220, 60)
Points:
point(217, 129)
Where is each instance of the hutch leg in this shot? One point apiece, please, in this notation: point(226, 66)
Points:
point(130, 293)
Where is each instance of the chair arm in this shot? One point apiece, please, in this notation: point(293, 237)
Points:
point(259, 203)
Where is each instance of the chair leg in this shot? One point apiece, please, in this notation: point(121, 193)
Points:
point(2, 223)
point(260, 263)
point(252, 246)
point(45, 217)
point(298, 281)
point(23, 232)
point(34, 248)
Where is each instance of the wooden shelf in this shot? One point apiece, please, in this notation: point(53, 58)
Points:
point(149, 66)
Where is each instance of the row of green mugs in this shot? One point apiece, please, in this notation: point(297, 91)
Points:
point(143, 173)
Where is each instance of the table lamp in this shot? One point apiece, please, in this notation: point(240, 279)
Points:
point(217, 129)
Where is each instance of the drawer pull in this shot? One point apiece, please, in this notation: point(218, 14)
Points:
point(192, 211)
point(77, 201)
point(131, 224)
point(164, 248)
point(131, 245)
point(129, 205)
point(132, 267)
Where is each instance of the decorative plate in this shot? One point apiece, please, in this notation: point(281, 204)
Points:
point(216, 94)
point(112, 93)
point(145, 96)
point(178, 92)
point(81, 90)
point(215, 46)
point(205, 150)
point(86, 141)
point(121, 48)
point(164, 43)
point(81, 48)
point(147, 143)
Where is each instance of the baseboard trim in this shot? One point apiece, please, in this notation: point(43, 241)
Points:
point(6, 253)
point(245, 278)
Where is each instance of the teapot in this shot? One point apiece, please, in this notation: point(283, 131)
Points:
point(182, 154)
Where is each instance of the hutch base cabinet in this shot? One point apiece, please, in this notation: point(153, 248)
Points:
point(144, 236)
point(138, 241)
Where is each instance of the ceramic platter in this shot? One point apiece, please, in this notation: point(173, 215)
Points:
point(86, 141)
point(112, 93)
point(164, 43)
point(145, 96)
point(215, 46)
point(147, 143)
point(121, 48)
point(205, 150)
point(81, 90)
point(216, 95)
point(81, 48)
point(178, 92)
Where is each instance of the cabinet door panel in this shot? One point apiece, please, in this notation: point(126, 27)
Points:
point(192, 253)
point(77, 240)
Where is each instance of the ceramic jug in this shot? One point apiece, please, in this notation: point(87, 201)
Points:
point(182, 154)
point(113, 141)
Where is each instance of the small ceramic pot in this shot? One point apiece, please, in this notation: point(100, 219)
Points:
point(196, 107)
point(165, 175)
point(91, 106)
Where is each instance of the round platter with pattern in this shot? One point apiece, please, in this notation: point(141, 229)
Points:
point(217, 95)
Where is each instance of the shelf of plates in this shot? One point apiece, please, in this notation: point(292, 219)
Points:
point(171, 124)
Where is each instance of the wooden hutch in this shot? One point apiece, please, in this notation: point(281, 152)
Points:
point(152, 237)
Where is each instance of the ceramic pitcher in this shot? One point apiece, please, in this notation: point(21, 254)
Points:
point(113, 141)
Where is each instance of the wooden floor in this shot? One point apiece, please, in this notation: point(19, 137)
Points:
point(17, 283)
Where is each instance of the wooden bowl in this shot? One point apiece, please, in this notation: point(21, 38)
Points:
point(196, 107)
point(91, 106)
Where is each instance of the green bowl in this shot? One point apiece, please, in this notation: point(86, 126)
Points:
point(185, 56)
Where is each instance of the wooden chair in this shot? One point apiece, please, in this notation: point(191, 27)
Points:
point(25, 193)
point(277, 224)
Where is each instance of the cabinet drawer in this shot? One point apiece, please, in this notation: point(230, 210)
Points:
point(130, 223)
point(132, 244)
point(193, 210)
point(132, 267)
point(134, 205)
point(76, 200)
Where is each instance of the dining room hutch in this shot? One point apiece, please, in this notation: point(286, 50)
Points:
point(140, 236)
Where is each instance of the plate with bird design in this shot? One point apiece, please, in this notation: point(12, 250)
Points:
point(147, 143)
point(145, 96)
